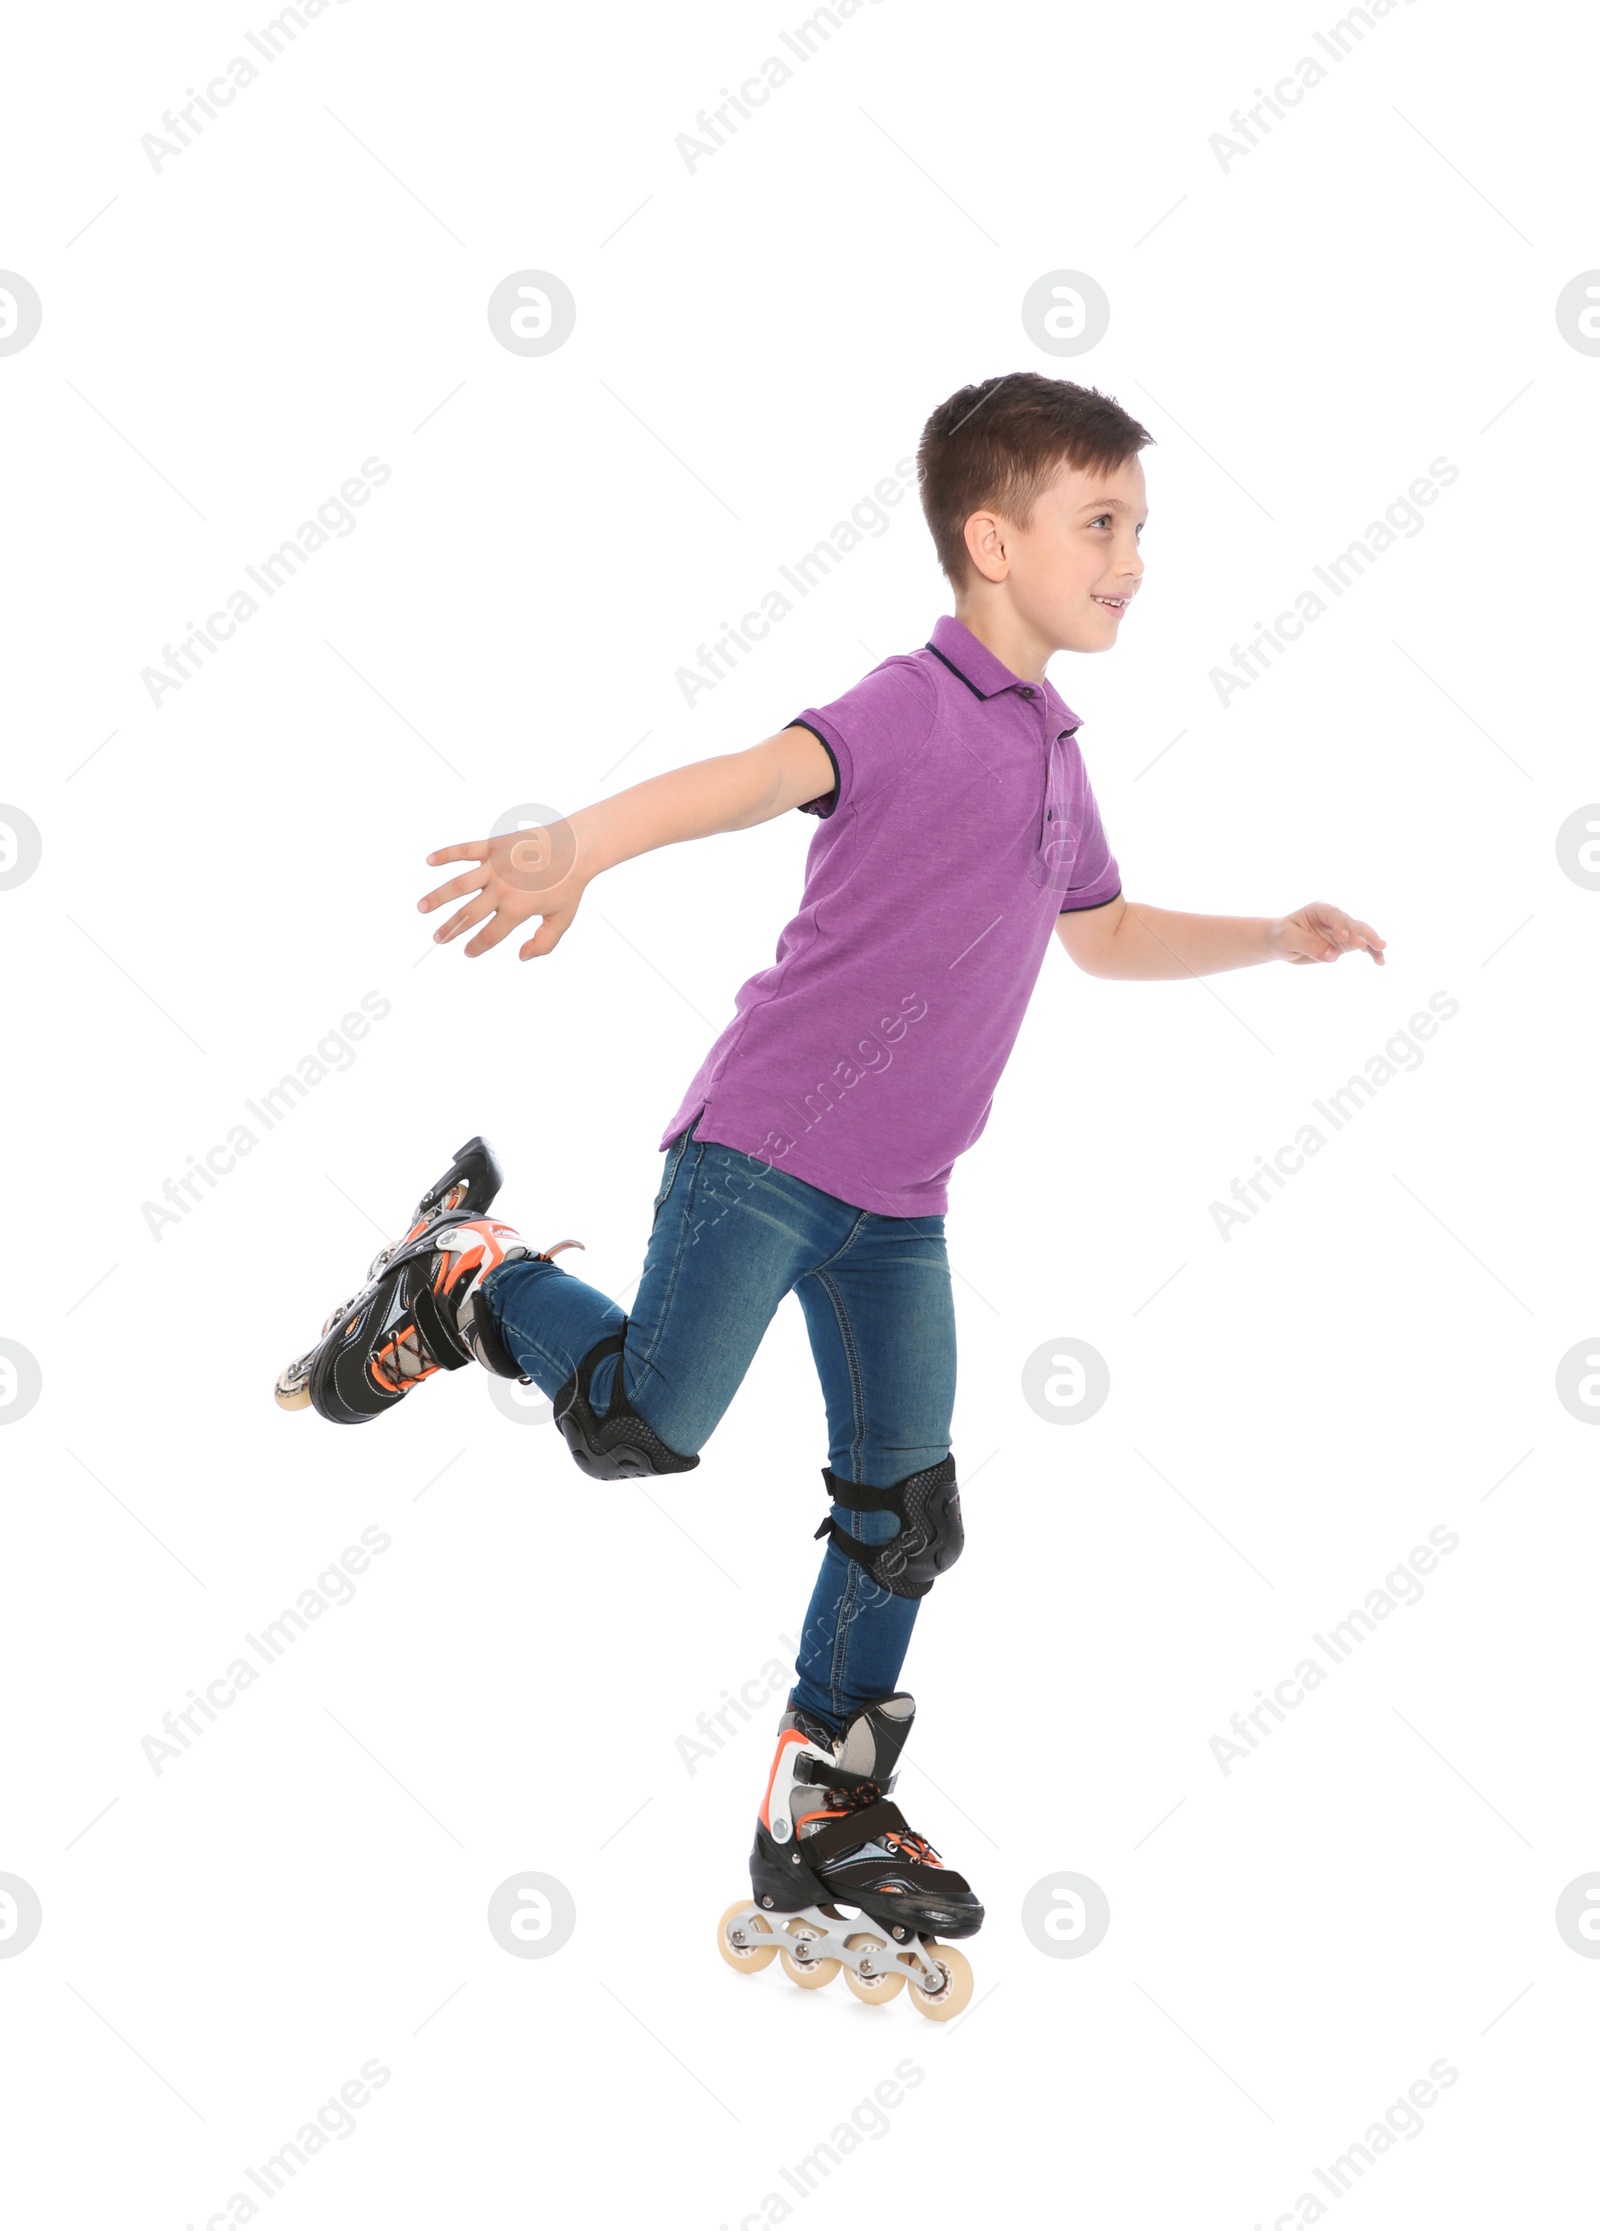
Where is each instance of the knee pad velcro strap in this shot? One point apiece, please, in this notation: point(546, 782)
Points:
point(619, 1446)
point(931, 1537)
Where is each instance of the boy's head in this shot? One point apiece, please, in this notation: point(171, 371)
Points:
point(1034, 494)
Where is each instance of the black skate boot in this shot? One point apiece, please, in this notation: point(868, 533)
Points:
point(828, 1836)
point(417, 1312)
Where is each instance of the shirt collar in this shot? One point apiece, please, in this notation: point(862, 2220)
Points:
point(982, 672)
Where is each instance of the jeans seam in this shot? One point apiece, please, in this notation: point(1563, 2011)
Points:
point(675, 1154)
point(664, 1314)
point(846, 1243)
point(841, 1639)
point(839, 1668)
point(852, 1355)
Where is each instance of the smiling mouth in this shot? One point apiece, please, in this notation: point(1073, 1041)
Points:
point(1114, 603)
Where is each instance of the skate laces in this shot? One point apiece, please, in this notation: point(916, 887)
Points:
point(854, 1798)
point(404, 1361)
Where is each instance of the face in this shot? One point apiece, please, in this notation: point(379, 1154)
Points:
point(1072, 572)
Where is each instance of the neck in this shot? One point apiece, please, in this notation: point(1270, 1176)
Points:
point(1000, 629)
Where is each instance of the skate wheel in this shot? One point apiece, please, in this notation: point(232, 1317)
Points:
point(811, 1975)
point(802, 1966)
point(300, 1399)
point(944, 2005)
point(749, 1959)
point(878, 1989)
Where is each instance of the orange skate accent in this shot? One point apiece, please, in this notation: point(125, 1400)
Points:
point(786, 1740)
point(454, 1267)
point(448, 1276)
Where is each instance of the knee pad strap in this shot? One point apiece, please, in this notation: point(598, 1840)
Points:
point(931, 1537)
point(619, 1446)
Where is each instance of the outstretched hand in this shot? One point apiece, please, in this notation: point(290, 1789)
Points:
point(1319, 932)
point(528, 872)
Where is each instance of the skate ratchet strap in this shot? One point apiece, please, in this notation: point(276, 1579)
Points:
point(882, 1821)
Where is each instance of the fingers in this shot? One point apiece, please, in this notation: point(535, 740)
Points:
point(500, 924)
point(1341, 933)
point(475, 851)
point(456, 888)
point(546, 938)
point(464, 920)
point(1367, 938)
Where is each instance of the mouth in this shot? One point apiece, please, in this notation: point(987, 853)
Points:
point(1114, 603)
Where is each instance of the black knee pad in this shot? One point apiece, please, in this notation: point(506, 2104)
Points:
point(619, 1446)
point(931, 1538)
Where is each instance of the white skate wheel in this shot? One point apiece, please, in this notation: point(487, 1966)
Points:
point(802, 1966)
point(948, 2003)
point(874, 1990)
point(748, 1958)
point(811, 1975)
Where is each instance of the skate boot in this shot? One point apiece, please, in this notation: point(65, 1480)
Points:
point(418, 1312)
point(828, 1837)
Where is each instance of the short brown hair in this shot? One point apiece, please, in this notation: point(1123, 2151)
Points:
point(1001, 443)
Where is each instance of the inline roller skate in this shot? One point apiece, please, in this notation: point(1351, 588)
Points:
point(829, 1837)
point(418, 1311)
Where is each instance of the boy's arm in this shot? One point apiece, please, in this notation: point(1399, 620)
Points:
point(1120, 939)
point(546, 871)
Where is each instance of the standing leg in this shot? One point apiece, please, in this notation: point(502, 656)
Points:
point(829, 1834)
point(882, 1327)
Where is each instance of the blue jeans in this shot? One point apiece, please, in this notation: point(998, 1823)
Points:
point(731, 1237)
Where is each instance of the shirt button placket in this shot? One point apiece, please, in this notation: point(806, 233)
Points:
point(1041, 850)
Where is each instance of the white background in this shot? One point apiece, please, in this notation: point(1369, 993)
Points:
point(1373, 1356)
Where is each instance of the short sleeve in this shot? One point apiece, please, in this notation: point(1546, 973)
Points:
point(824, 805)
point(872, 733)
point(1096, 879)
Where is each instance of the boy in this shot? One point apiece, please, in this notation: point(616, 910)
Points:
point(812, 1150)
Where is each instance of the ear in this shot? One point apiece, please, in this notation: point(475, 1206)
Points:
point(985, 536)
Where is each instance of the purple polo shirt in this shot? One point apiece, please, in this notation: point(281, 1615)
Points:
point(960, 824)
